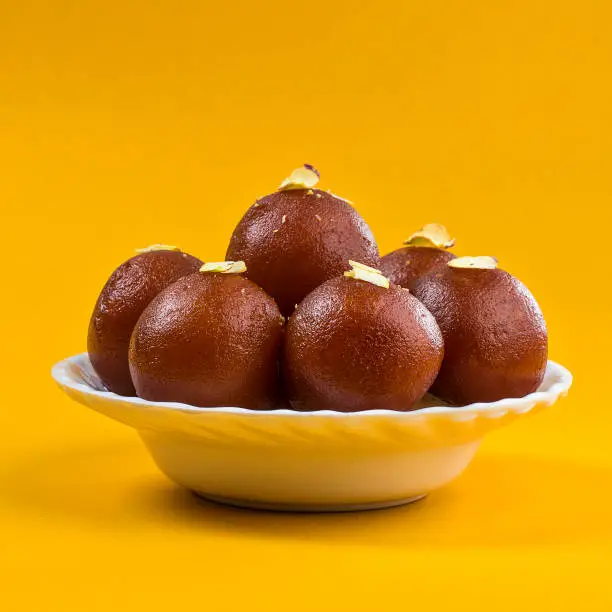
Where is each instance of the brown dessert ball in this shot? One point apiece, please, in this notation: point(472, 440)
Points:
point(351, 345)
point(293, 240)
point(210, 339)
point(406, 265)
point(495, 339)
point(126, 294)
point(424, 253)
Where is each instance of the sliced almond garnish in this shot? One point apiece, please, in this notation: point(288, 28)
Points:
point(305, 177)
point(431, 235)
point(365, 273)
point(360, 266)
point(158, 247)
point(225, 267)
point(483, 262)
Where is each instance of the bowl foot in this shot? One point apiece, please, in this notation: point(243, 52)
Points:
point(283, 507)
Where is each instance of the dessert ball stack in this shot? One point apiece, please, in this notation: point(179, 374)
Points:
point(304, 314)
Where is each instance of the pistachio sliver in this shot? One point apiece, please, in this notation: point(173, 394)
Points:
point(360, 266)
point(224, 267)
point(158, 247)
point(482, 262)
point(305, 177)
point(365, 273)
point(431, 235)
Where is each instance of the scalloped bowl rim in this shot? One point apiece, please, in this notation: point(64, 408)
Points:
point(557, 382)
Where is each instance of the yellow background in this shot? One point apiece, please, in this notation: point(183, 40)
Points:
point(128, 123)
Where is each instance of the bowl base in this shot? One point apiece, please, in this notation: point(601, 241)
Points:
point(283, 507)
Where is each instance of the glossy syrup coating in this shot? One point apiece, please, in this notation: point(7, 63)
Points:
point(294, 240)
point(210, 339)
point(351, 345)
point(495, 338)
point(405, 266)
point(124, 297)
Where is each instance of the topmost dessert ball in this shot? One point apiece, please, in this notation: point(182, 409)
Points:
point(298, 237)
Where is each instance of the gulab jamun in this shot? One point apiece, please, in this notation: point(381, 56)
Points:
point(298, 237)
point(358, 343)
point(495, 338)
point(424, 253)
point(125, 295)
point(210, 339)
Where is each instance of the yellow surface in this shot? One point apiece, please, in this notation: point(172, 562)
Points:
point(128, 123)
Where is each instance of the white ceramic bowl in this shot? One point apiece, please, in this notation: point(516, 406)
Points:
point(308, 461)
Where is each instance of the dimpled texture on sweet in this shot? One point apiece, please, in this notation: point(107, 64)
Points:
point(124, 297)
point(406, 265)
point(209, 340)
point(353, 346)
point(294, 240)
point(496, 344)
